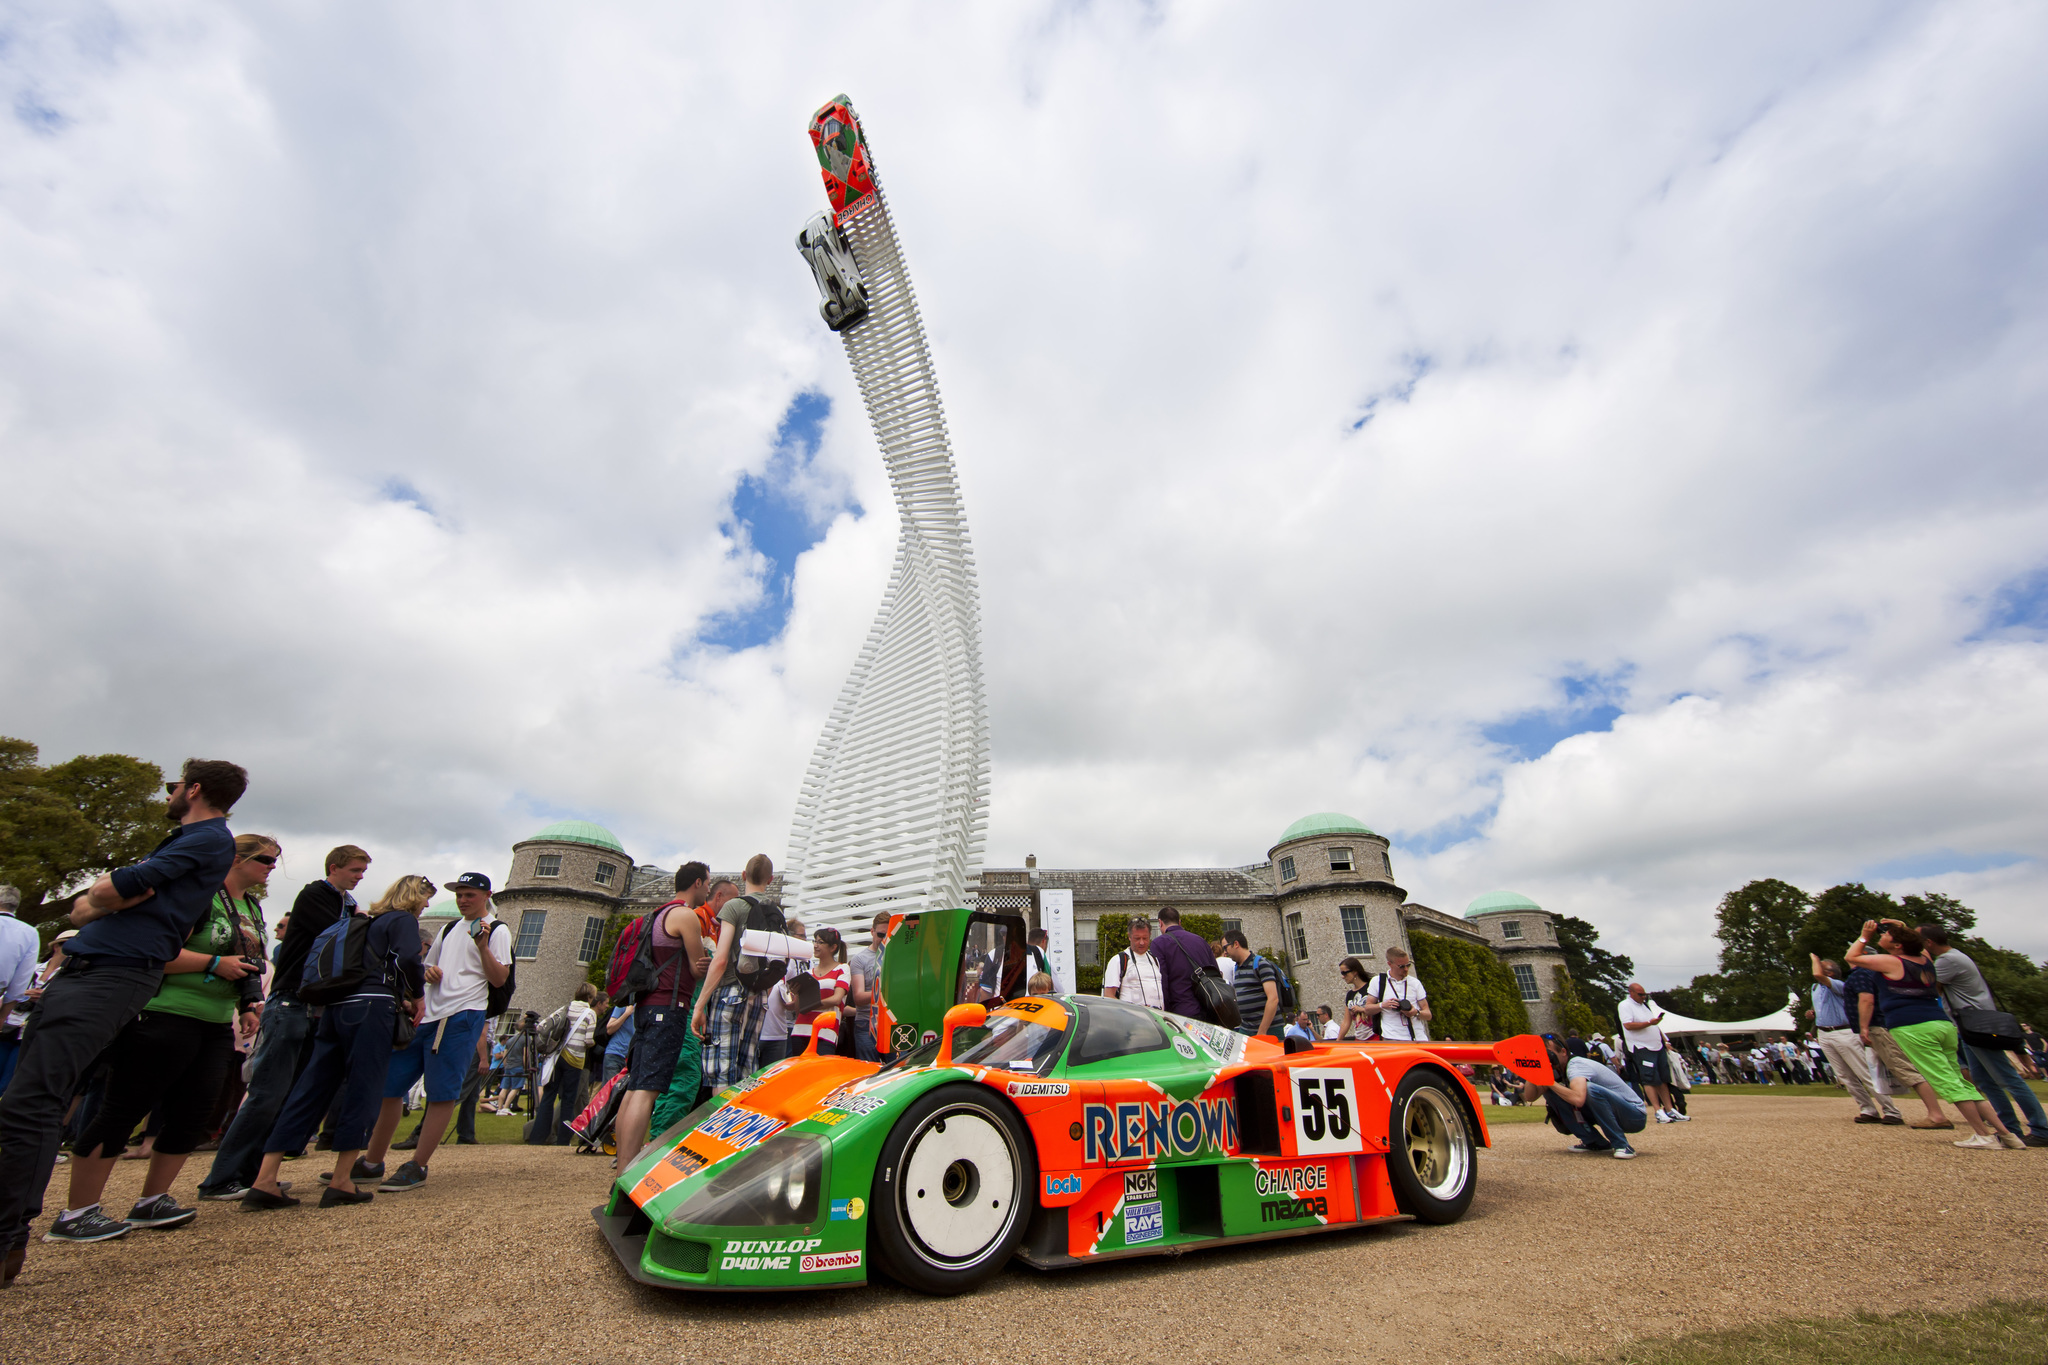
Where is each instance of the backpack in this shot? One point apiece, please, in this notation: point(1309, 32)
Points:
point(335, 968)
point(759, 974)
point(636, 973)
point(500, 997)
point(624, 950)
point(1290, 1004)
point(553, 1031)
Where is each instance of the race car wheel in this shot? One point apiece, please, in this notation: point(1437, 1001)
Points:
point(1430, 1150)
point(954, 1190)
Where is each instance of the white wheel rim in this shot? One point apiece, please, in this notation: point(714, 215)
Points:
point(959, 1186)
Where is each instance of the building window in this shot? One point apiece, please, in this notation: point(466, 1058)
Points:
point(1357, 941)
point(1525, 977)
point(527, 945)
point(1233, 926)
point(1287, 868)
point(1299, 937)
point(1340, 860)
point(605, 873)
point(1387, 864)
point(593, 939)
point(1087, 951)
point(1510, 928)
point(548, 865)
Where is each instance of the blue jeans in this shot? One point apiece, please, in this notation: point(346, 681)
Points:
point(2002, 1083)
point(1606, 1122)
point(350, 1057)
point(282, 1048)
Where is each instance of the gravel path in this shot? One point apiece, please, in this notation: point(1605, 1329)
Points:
point(1736, 1217)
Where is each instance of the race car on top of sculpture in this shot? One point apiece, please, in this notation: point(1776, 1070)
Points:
point(1056, 1129)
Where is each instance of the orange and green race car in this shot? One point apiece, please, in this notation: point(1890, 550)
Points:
point(1057, 1129)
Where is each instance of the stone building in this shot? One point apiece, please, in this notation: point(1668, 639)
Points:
point(1324, 892)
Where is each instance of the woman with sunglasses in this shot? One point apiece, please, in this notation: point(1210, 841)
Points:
point(174, 1058)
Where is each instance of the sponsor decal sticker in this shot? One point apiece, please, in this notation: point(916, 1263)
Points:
point(1143, 1185)
point(753, 1263)
point(1023, 1007)
point(903, 1038)
point(686, 1161)
point(1322, 1111)
point(1063, 1184)
point(1144, 1222)
point(830, 1260)
point(828, 1117)
point(1293, 1180)
point(1184, 1048)
point(848, 1210)
point(1148, 1130)
point(1287, 1210)
point(929, 1036)
point(855, 1104)
point(1225, 1044)
point(1035, 1089)
point(774, 1246)
point(739, 1128)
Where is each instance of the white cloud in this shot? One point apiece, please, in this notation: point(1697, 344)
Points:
point(1703, 354)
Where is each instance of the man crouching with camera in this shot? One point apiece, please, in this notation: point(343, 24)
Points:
point(1590, 1103)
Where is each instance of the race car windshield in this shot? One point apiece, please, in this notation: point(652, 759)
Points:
point(1015, 1045)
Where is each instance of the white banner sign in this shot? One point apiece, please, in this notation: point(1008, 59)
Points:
point(1056, 917)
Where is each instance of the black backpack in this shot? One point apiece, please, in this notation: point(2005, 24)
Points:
point(335, 969)
point(760, 974)
point(500, 997)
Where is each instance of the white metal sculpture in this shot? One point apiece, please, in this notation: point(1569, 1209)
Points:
point(895, 803)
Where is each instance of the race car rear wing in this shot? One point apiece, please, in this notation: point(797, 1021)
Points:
point(1522, 1054)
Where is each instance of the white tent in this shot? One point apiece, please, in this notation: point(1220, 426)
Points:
point(1781, 1022)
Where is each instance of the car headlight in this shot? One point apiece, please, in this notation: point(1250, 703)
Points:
point(775, 1184)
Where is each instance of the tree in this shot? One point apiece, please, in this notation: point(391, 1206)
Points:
point(1837, 916)
point(1602, 977)
point(1471, 994)
point(71, 821)
point(1759, 963)
point(1574, 1015)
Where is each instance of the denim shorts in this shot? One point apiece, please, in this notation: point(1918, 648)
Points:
point(444, 1066)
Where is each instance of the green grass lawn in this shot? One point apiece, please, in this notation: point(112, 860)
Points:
point(490, 1130)
point(1998, 1333)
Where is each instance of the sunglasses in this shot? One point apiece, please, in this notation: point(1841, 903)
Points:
point(173, 788)
point(267, 859)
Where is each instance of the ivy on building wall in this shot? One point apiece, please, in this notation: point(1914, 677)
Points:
point(1472, 995)
point(1573, 1014)
point(601, 963)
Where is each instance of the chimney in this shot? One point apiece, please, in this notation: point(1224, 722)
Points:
point(1031, 860)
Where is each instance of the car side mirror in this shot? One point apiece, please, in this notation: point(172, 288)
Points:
point(958, 1017)
point(828, 1020)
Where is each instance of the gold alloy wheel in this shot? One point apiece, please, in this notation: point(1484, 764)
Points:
point(1438, 1147)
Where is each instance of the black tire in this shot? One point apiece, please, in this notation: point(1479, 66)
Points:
point(943, 1220)
point(1431, 1157)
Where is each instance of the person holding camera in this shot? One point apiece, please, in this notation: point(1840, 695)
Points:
point(470, 956)
point(1399, 1002)
point(1589, 1102)
point(351, 1054)
point(174, 1057)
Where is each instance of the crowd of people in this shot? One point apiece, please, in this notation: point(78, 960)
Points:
point(168, 1006)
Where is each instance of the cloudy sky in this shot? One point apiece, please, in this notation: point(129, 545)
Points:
point(1600, 448)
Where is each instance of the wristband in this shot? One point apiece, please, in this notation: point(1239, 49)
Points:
point(211, 965)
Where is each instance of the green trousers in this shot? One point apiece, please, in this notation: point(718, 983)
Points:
point(683, 1084)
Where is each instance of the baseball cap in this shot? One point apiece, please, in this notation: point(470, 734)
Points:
point(471, 880)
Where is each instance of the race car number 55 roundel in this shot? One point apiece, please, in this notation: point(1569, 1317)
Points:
point(1325, 1120)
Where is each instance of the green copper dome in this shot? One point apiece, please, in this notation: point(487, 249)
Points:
point(1323, 822)
point(1495, 901)
point(581, 832)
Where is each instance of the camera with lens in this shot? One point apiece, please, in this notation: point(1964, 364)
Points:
point(1405, 1006)
point(249, 989)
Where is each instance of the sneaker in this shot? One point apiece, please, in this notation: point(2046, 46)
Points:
point(409, 1176)
point(1663, 1117)
point(232, 1190)
point(1677, 1117)
point(2035, 1138)
point(362, 1173)
point(90, 1226)
point(1983, 1142)
point(1624, 1153)
point(2012, 1142)
point(1930, 1124)
point(1868, 1118)
point(1583, 1150)
point(1894, 1121)
point(330, 1197)
point(160, 1211)
point(410, 1144)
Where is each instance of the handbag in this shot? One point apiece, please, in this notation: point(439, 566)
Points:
point(1992, 1030)
point(1219, 1002)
